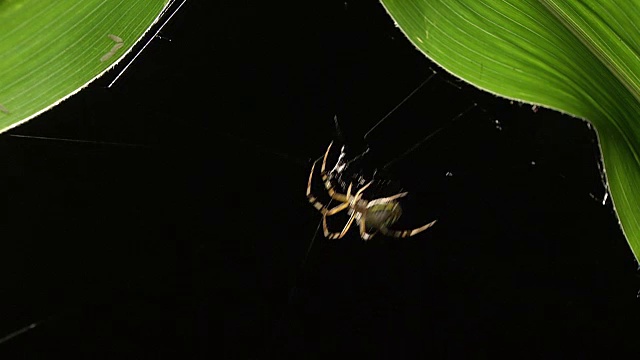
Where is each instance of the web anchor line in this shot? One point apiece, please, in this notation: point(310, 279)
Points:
point(149, 41)
point(433, 73)
point(419, 143)
point(342, 164)
point(429, 136)
point(110, 143)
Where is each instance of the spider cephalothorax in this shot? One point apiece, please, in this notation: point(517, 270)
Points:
point(370, 215)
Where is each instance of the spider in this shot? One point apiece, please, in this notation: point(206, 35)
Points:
point(372, 216)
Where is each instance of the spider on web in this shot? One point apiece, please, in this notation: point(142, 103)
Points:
point(372, 216)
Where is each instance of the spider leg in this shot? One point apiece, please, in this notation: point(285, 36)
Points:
point(330, 235)
point(347, 200)
point(356, 199)
point(406, 233)
point(327, 183)
point(317, 204)
point(387, 199)
point(363, 231)
point(336, 209)
point(340, 207)
point(324, 160)
point(359, 193)
point(397, 196)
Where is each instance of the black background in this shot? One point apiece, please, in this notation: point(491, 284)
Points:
point(180, 228)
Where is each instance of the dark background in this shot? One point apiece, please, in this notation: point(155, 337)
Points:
point(178, 227)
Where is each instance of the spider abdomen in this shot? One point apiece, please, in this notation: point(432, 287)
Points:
point(382, 215)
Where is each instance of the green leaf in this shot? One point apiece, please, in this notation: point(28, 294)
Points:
point(577, 57)
point(51, 49)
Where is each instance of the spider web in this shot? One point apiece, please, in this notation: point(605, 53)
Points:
point(341, 172)
point(407, 143)
point(347, 168)
point(429, 125)
point(172, 8)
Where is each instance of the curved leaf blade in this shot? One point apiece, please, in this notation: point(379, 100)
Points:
point(51, 49)
point(580, 58)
